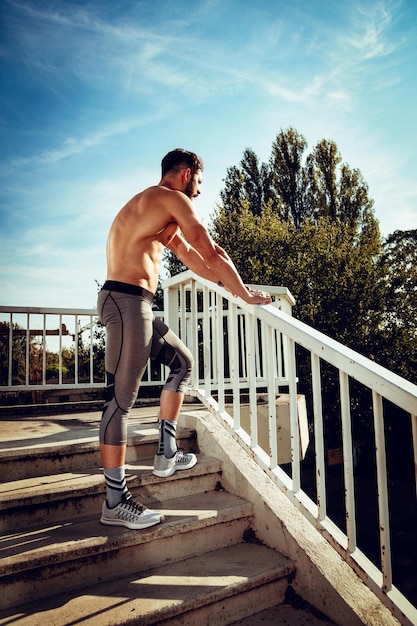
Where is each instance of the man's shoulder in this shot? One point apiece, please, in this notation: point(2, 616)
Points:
point(156, 192)
point(162, 197)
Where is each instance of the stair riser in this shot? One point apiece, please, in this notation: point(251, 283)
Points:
point(74, 458)
point(41, 582)
point(137, 449)
point(221, 612)
point(37, 511)
point(48, 462)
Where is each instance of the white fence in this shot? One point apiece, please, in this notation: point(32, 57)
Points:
point(50, 352)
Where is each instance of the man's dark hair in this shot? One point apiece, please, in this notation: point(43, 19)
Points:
point(179, 158)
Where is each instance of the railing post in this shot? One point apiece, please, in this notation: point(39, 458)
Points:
point(348, 461)
point(234, 362)
point(206, 347)
point(272, 412)
point(414, 430)
point(218, 333)
point(76, 347)
point(318, 437)
point(91, 350)
point(182, 314)
point(44, 352)
point(251, 363)
point(60, 351)
point(381, 467)
point(27, 347)
point(171, 308)
point(10, 372)
point(295, 437)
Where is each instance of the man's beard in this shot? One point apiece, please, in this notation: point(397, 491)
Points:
point(189, 190)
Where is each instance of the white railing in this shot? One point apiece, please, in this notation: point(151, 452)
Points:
point(53, 351)
point(50, 351)
point(193, 314)
point(279, 352)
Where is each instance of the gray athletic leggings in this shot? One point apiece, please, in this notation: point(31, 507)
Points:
point(133, 335)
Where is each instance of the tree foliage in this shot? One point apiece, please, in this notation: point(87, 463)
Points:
point(297, 186)
point(289, 177)
point(173, 266)
point(315, 233)
point(399, 332)
point(328, 268)
point(249, 183)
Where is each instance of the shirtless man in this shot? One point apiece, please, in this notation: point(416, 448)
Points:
point(158, 217)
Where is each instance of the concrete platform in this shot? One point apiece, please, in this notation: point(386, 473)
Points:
point(17, 431)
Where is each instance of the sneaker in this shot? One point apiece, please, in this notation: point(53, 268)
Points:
point(130, 513)
point(164, 467)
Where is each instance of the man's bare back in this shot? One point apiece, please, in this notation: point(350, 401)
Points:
point(137, 238)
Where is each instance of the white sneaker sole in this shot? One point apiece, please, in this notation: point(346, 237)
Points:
point(175, 468)
point(151, 521)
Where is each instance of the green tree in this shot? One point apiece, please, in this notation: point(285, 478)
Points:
point(173, 266)
point(296, 185)
point(288, 176)
point(259, 241)
point(248, 183)
point(329, 268)
point(335, 190)
point(398, 342)
point(322, 193)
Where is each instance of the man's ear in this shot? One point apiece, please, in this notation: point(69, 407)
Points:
point(186, 175)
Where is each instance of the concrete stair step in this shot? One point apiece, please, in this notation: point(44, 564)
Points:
point(32, 502)
point(79, 450)
point(216, 587)
point(80, 551)
point(292, 612)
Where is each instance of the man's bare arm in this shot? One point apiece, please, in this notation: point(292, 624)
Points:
point(192, 258)
point(196, 239)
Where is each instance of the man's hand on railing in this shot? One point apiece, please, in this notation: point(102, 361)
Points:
point(256, 296)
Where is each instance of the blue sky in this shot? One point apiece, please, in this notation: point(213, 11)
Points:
point(95, 92)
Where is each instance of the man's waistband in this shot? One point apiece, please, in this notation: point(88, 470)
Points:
point(133, 290)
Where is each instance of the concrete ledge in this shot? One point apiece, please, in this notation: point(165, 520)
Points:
point(322, 577)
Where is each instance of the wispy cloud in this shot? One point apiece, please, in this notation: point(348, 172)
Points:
point(73, 39)
point(371, 24)
point(73, 146)
point(139, 60)
point(354, 54)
